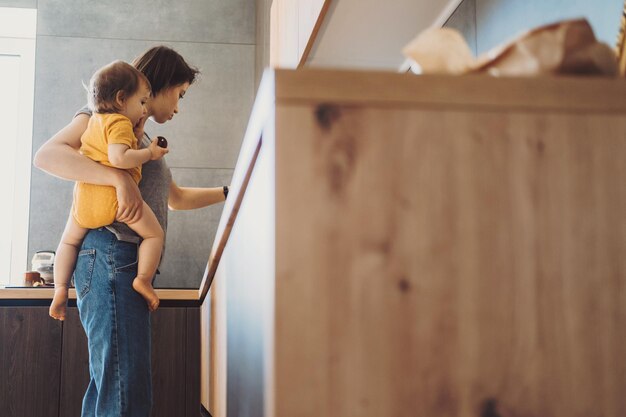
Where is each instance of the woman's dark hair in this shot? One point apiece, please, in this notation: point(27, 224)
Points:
point(165, 68)
point(108, 81)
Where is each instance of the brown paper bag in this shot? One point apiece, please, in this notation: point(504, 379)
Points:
point(567, 47)
point(439, 51)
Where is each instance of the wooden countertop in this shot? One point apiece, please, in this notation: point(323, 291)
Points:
point(46, 293)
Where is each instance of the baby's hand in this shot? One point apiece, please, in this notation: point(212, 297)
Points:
point(138, 128)
point(156, 151)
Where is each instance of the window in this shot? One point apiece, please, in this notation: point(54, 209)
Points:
point(17, 79)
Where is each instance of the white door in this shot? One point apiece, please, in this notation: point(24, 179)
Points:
point(17, 74)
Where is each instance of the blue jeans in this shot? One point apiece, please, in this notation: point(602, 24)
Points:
point(117, 323)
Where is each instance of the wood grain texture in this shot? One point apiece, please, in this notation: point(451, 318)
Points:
point(169, 328)
point(444, 246)
point(451, 261)
point(192, 362)
point(36, 293)
point(445, 92)
point(218, 359)
point(30, 358)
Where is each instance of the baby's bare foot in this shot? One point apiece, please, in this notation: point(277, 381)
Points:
point(147, 292)
point(58, 307)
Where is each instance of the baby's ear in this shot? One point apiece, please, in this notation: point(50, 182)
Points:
point(120, 97)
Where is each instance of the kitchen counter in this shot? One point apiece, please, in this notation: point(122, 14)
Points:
point(170, 297)
point(45, 362)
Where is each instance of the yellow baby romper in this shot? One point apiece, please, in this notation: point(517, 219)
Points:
point(96, 205)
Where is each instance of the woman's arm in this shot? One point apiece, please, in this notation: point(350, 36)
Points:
point(187, 198)
point(59, 156)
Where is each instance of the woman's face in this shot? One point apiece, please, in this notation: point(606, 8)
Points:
point(164, 105)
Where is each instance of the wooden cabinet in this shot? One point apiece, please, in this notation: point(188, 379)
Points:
point(30, 353)
point(397, 245)
point(45, 363)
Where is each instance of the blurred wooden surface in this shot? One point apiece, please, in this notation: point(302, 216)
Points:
point(583, 94)
point(450, 261)
point(444, 246)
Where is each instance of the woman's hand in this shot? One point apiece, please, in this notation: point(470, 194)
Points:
point(129, 201)
point(189, 198)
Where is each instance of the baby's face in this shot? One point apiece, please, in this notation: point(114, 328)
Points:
point(135, 107)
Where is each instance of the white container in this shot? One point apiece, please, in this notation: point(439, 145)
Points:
point(43, 262)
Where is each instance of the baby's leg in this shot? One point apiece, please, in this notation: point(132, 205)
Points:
point(150, 230)
point(64, 263)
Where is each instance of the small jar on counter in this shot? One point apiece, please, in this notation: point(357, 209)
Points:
point(32, 279)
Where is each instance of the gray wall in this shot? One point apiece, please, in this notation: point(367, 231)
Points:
point(487, 23)
point(263, 8)
point(75, 37)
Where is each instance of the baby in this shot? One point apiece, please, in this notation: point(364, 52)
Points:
point(117, 95)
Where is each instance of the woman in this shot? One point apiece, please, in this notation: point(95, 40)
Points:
point(116, 318)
